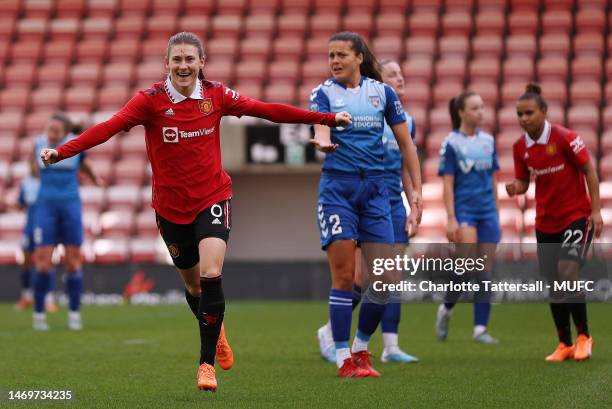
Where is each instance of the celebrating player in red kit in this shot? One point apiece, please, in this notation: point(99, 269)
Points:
point(566, 217)
point(191, 191)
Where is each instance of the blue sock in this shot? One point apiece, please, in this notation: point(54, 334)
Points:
point(370, 314)
point(74, 286)
point(481, 313)
point(42, 281)
point(340, 316)
point(26, 278)
point(356, 296)
point(391, 317)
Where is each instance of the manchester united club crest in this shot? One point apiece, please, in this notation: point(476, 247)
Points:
point(173, 250)
point(375, 101)
point(206, 106)
point(551, 149)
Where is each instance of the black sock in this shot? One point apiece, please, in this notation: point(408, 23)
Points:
point(561, 316)
point(356, 296)
point(579, 314)
point(210, 313)
point(193, 303)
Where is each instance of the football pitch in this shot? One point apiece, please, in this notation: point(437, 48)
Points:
point(146, 357)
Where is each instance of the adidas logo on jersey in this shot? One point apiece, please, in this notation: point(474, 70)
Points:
point(216, 221)
point(170, 111)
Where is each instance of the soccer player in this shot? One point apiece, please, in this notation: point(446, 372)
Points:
point(566, 217)
point(58, 221)
point(353, 204)
point(191, 191)
point(403, 227)
point(468, 162)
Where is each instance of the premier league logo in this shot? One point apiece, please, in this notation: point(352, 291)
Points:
point(375, 101)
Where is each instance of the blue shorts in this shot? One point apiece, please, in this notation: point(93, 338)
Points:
point(27, 239)
point(354, 207)
point(59, 222)
point(399, 217)
point(487, 228)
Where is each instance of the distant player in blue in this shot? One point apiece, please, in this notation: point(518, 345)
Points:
point(353, 204)
point(468, 162)
point(391, 75)
point(58, 221)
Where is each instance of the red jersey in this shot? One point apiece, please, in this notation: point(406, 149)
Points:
point(554, 161)
point(182, 141)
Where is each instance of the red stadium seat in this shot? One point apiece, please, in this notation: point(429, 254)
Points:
point(506, 118)
point(430, 170)
point(25, 145)
point(287, 49)
point(200, 7)
point(97, 28)
point(85, 75)
point(31, 29)
point(558, 5)
point(552, 69)
point(454, 46)
point(588, 92)
point(7, 30)
point(126, 50)
point(105, 151)
point(557, 45)
point(518, 69)
point(264, 7)
point(131, 7)
point(360, 6)
point(487, 47)
point(451, 68)
point(327, 6)
point(253, 72)
point(64, 29)
point(130, 171)
point(102, 8)
point(520, 45)
point(421, 47)
point(35, 123)
point(232, 7)
point(15, 98)
point(20, 75)
point(113, 97)
point(390, 25)
point(118, 74)
point(197, 24)
point(143, 250)
point(92, 197)
point(322, 26)
point(315, 72)
point(484, 69)
point(70, 8)
point(226, 26)
point(92, 51)
point(222, 71)
point(169, 8)
point(8, 150)
point(423, 24)
point(589, 44)
point(605, 168)
point(358, 22)
point(109, 251)
point(251, 89)
point(117, 223)
point(82, 98)
point(590, 21)
point(38, 9)
point(27, 51)
point(132, 143)
point(554, 92)
point(11, 224)
point(487, 89)
point(49, 98)
point(59, 52)
point(523, 23)
point(556, 113)
point(131, 26)
point(439, 122)
point(255, 49)
point(587, 69)
point(303, 94)
point(456, 23)
point(153, 50)
point(150, 73)
point(292, 25)
point(160, 26)
point(260, 25)
point(418, 70)
point(606, 118)
point(283, 72)
point(387, 47)
point(557, 22)
point(394, 6)
point(420, 94)
point(123, 197)
point(586, 117)
point(281, 93)
point(443, 92)
point(11, 123)
point(491, 22)
point(146, 225)
point(224, 49)
point(434, 6)
point(511, 221)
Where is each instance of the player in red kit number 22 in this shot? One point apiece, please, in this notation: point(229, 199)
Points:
point(566, 217)
point(191, 191)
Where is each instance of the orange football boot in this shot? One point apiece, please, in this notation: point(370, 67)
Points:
point(206, 378)
point(23, 304)
point(224, 354)
point(583, 349)
point(349, 369)
point(562, 353)
point(362, 360)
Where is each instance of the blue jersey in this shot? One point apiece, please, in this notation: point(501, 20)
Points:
point(393, 160)
point(28, 194)
point(472, 161)
point(59, 181)
point(360, 144)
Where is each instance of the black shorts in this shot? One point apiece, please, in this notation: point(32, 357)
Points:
point(183, 240)
point(571, 243)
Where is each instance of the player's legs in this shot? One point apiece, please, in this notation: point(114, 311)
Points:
point(42, 284)
point(74, 285)
point(27, 267)
point(467, 237)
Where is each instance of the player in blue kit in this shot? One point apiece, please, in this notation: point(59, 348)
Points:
point(391, 75)
point(58, 221)
point(468, 162)
point(353, 204)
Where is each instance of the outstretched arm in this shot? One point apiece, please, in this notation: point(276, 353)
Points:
point(282, 113)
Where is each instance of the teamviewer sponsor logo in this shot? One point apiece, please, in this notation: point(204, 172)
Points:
point(171, 135)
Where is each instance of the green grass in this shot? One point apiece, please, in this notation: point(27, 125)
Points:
point(146, 357)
